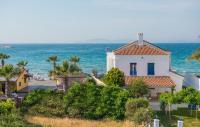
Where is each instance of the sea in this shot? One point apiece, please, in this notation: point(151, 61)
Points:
point(92, 56)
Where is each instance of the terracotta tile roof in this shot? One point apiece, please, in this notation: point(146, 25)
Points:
point(135, 48)
point(152, 81)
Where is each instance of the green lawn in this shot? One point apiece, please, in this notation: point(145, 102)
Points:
point(188, 118)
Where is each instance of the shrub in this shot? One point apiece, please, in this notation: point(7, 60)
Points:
point(142, 116)
point(133, 104)
point(95, 102)
point(44, 102)
point(138, 88)
point(112, 103)
point(114, 77)
point(81, 101)
point(14, 119)
point(6, 106)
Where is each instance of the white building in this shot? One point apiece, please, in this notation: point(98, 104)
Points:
point(141, 59)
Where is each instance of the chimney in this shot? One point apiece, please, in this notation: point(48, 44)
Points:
point(140, 38)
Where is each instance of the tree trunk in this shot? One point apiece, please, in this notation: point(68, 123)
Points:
point(169, 110)
point(2, 62)
point(196, 111)
point(6, 88)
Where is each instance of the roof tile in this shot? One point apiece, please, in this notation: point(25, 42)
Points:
point(135, 48)
point(152, 81)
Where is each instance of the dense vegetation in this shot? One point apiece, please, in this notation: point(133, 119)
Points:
point(80, 101)
point(10, 116)
point(114, 77)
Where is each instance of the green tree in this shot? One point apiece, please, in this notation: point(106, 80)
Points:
point(3, 57)
point(133, 104)
point(195, 55)
point(188, 95)
point(53, 59)
point(22, 64)
point(6, 106)
point(74, 59)
point(8, 71)
point(167, 99)
point(112, 102)
point(143, 116)
point(138, 88)
point(114, 77)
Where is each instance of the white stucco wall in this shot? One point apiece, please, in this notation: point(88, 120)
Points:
point(178, 80)
point(154, 92)
point(110, 58)
point(162, 63)
point(192, 80)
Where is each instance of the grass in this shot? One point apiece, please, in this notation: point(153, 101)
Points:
point(69, 122)
point(185, 114)
point(188, 118)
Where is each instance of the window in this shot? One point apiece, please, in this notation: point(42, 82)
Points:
point(150, 69)
point(20, 83)
point(133, 69)
point(24, 80)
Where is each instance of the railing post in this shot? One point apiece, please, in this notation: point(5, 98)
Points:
point(156, 122)
point(180, 123)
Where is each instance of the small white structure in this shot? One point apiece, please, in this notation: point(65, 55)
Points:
point(141, 59)
point(192, 80)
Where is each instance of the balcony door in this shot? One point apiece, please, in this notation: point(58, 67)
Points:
point(133, 69)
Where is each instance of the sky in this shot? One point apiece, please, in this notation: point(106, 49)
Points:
point(71, 21)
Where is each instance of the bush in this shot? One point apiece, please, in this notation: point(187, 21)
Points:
point(44, 102)
point(95, 102)
point(14, 119)
point(114, 77)
point(6, 106)
point(81, 101)
point(133, 104)
point(142, 116)
point(112, 103)
point(138, 88)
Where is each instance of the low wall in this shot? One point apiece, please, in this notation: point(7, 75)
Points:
point(178, 79)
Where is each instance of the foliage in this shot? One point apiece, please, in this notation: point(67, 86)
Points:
point(133, 104)
point(114, 77)
point(22, 64)
point(187, 95)
point(53, 59)
point(74, 59)
point(6, 106)
point(8, 71)
point(44, 102)
point(89, 80)
point(142, 116)
point(14, 119)
point(66, 68)
point(81, 101)
point(138, 88)
point(195, 55)
point(3, 57)
point(112, 102)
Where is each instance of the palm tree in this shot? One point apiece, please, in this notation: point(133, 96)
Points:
point(63, 71)
point(22, 64)
point(74, 59)
point(8, 71)
point(53, 59)
point(195, 55)
point(3, 57)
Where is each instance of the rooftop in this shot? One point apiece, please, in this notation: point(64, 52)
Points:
point(152, 81)
point(140, 47)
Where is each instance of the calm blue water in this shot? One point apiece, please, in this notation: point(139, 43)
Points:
point(92, 55)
